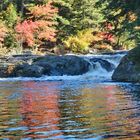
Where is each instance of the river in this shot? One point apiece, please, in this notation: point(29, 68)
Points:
point(85, 107)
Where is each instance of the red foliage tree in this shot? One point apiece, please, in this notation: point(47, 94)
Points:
point(107, 36)
point(39, 27)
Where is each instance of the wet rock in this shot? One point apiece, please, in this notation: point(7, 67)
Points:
point(129, 67)
point(36, 66)
point(26, 70)
point(63, 65)
point(104, 64)
point(6, 69)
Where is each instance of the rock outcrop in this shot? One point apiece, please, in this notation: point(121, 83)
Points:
point(129, 67)
point(36, 66)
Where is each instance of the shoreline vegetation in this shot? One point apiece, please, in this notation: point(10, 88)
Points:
point(62, 26)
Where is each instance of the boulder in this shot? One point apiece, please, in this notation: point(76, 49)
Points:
point(129, 67)
point(62, 65)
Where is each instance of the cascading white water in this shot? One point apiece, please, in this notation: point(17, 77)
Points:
point(96, 70)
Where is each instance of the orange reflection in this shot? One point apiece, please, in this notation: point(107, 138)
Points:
point(104, 109)
point(120, 110)
point(40, 109)
point(109, 109)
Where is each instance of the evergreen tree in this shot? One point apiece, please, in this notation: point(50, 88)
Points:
point(125, 18)
point(77, 15)
point(10, 15)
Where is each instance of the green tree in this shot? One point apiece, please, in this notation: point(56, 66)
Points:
point(125, 18)
point(77, 15)
point(10, 15)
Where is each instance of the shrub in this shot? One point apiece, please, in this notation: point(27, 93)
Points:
point(80, 43)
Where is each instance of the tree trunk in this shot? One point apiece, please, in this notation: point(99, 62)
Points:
point(22, 7)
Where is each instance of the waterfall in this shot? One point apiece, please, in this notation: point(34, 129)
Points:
point(103, 66)
point(101, 69)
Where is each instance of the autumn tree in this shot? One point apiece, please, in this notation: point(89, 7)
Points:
point(39, 26)
point(3, 32)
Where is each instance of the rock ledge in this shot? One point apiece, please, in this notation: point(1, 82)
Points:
point(36, 66)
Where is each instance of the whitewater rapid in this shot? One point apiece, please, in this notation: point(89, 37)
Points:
point(98, 73)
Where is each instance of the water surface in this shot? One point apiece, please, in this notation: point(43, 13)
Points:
point(69, 109)
point(84, 107)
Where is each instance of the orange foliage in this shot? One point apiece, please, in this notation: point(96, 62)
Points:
point(25, 32)
point(47, 11)
point(39, 27)
point(132, 16)
point(3, 33)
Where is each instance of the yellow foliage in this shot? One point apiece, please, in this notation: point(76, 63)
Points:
point(3, 51)
point(132, 16)
point(80, 42)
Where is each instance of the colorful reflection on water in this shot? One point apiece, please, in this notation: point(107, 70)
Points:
point(68, 110)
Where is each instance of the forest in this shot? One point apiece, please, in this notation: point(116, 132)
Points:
point(68, 25)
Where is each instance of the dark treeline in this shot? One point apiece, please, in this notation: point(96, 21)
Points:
point(73, 25)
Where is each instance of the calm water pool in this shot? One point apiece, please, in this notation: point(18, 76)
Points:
point(73, 110)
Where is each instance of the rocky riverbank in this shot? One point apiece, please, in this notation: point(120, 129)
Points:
point(36, 66)
point(129, 68)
